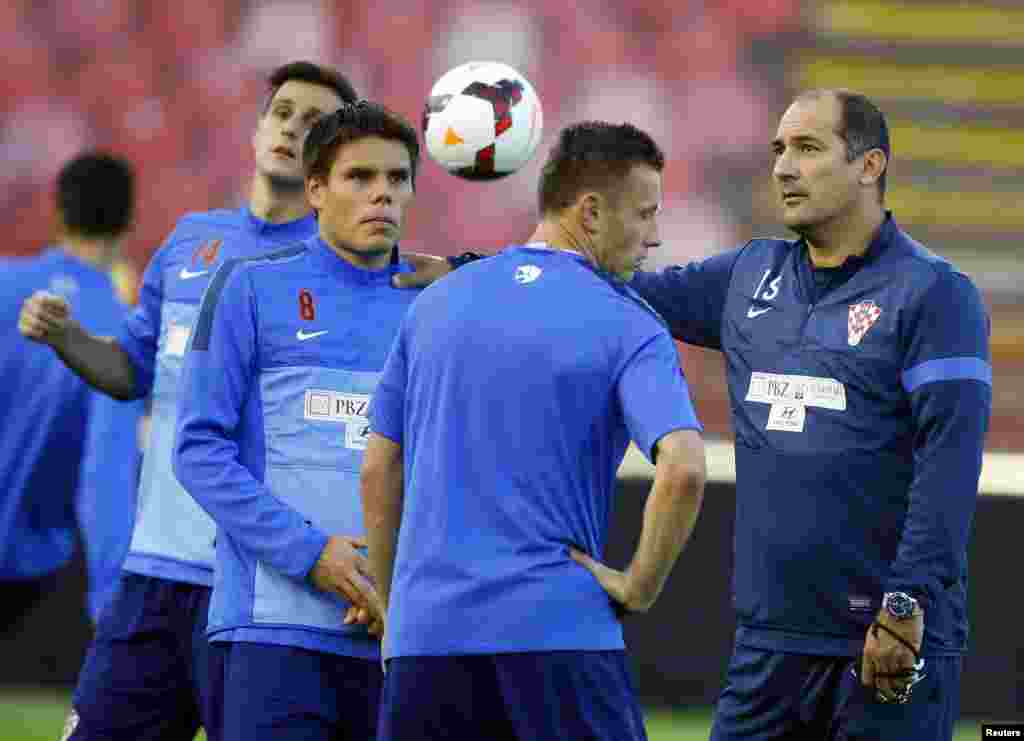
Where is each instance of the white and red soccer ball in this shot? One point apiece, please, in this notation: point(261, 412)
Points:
point(482, 121)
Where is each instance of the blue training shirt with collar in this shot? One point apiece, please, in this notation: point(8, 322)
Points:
point(286, 355)
point(173, 538)
point(514, 388)
point(861, 397)
point(45, 410)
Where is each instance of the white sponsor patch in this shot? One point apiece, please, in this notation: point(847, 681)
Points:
point(808, 391)
point(341, 408)
point(177, 339)
point(335, 406)
point(787, 417)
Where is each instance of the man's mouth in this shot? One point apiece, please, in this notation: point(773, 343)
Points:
point(380, 220)
point(284, 152)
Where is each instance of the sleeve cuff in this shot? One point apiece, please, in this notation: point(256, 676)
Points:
point(921, 590)
point(309, 550)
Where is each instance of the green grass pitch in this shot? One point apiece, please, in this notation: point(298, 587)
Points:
point(38, 715)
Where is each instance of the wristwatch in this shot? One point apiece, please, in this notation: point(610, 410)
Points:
point(900, 605)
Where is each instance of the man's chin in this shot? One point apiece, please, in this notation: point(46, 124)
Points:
point(373, 250)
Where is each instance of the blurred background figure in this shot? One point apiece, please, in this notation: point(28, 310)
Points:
point(46, 409)
point(109, 475)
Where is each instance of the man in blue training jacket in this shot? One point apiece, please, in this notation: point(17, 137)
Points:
point(150, 673)
point(499, 424)
point(273, 424)
point(45, 407)
point(858, 368)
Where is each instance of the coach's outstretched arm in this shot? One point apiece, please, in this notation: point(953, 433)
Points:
point(669, 516)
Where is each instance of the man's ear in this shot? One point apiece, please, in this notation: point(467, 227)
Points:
point(875, 164)
point(591, 207)
point(315, 191)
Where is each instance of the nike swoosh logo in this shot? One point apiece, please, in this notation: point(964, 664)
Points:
point(752, 312)
point(185, 273)
point(300, 335)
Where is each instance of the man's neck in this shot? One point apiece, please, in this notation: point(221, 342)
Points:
point(96, 252)
point(277, 204)
point(849, 235)
point(361, 260)
point(558, 236)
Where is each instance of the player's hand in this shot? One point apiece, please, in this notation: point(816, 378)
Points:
point(612, 581)
point(428, 268)
point(45, 317)
point(374, 623)
point(344, 571)
point(888, 664)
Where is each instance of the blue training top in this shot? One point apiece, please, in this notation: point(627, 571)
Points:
point(861, 396)
point(514, 388)
point(285, 357)
point(173, 538)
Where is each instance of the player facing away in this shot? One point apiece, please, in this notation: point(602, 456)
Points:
point(858, 369)
point(45, 407)
point(150, 673)
point(504, 411)
point(282, 366)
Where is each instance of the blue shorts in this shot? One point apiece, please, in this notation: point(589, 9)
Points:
point(771, 695)
point(150, 674)
point(274, 693)
point(530, 696)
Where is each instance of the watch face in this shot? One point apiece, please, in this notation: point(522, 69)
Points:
point(899, 605)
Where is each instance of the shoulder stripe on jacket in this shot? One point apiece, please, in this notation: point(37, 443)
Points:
point(204, 324)
point(947, 369)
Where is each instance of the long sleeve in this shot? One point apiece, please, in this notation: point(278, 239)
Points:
point(691, 298)
point(947, 376)
point(220, 378)
point(140, 331)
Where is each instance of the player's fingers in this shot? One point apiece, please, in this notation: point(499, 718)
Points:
point(50, 303)
point(426, 269)
point(867, 671)
point(357, 541)
point(31, 327)
point(348, 589)
point(583, 559)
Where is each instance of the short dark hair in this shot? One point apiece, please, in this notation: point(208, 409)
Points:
point(351, 122)
point(593, 155)
point(96, 195)
point(315, 74)
point(861, 125)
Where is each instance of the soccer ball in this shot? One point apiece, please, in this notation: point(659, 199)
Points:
point(482, 121)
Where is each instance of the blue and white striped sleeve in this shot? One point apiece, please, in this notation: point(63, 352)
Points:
point(947, 376)
point(219, 372)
